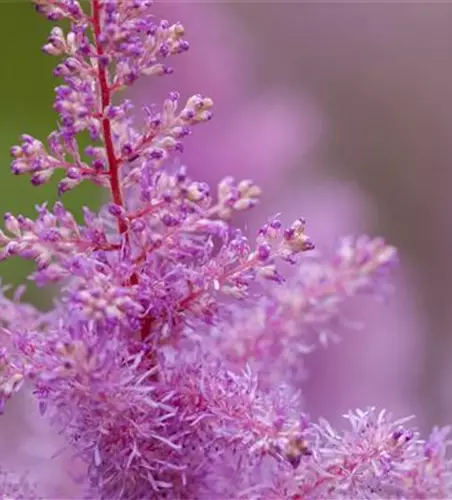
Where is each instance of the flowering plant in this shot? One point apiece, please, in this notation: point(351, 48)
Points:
point(171, 356)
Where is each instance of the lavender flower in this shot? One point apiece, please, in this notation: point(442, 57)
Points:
point(167, 360)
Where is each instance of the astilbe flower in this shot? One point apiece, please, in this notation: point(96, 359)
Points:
point(167, 361)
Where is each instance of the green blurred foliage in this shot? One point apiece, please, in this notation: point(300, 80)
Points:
point(26, 97)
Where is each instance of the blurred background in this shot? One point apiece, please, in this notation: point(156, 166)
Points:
point(342, 111)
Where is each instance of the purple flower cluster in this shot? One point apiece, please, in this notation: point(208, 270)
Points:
point(171, 358)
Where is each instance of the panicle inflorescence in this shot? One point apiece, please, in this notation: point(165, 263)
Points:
point(286, 323)
point(171, 358)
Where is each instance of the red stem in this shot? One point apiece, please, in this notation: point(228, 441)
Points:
point(113, 161)
point(113, 164)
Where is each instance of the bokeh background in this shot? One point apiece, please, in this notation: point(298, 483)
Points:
point(343, 112)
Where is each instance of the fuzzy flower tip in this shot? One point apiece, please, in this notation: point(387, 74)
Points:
point(169, 360)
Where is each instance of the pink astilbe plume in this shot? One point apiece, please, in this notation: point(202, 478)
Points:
point(376, 349)
point(169, 361)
